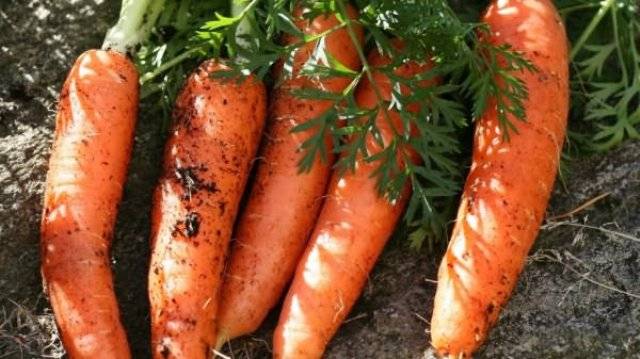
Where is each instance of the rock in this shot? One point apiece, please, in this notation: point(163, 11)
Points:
point(555, 312)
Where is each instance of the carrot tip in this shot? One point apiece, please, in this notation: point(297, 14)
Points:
point(221, 339)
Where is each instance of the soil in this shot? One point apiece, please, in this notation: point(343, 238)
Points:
point(577, 297)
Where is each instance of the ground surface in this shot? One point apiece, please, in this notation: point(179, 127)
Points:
point(566, 304)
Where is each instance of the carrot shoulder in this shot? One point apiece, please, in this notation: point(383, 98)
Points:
point(215, 134)
point(354, 225)
point(509, 185)
point(283, 205)
point(93, 139)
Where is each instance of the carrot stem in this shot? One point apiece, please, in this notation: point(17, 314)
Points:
point(169, 64)
point(244, 28)
point(623, 66)
point(137, 18)
point(604, 8)
point(579, 7)
point(243, 9)
point(366, 67)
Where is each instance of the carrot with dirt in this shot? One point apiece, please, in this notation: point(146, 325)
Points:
point(95, 122)
point(509, 184)
point(354, 225)
point(282, 208)
point(215, 135)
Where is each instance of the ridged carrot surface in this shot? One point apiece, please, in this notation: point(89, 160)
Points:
point(283, 204)
point(354, 225)
point(215, 134)
point(509, 185)
point(93, 139)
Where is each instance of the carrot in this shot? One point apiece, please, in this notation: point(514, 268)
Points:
point(95, 122)
point(509, 184)
point(216, 131)
point(283, 204)
point(352, 229)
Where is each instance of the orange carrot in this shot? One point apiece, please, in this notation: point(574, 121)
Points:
point(93, 139)
point(283, 204)
point(509, 185)
point(352, 229)
point(216, 131)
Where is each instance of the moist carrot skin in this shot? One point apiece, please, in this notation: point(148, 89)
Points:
point(354, 225)
point(509, 185)
point(95, 122)
point(215, 135)
point(283, 205)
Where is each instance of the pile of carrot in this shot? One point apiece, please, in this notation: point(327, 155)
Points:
point(314, 236)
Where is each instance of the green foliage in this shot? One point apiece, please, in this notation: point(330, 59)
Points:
point(466, 67)
point(472, 75)
point(174, 50)
point(606, 71)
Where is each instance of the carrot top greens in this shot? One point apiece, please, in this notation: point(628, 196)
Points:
point(606, 70)
point(444, 33)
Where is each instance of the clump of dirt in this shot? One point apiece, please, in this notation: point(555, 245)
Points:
point(25, 334)
point(575, 298)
